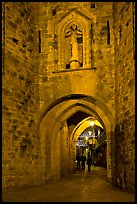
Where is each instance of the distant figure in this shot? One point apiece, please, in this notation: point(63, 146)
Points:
point(78, 158)
point(89, 162)
point(83, 159)
point(100, 159)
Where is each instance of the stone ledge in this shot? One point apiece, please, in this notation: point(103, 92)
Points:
point(71, 70)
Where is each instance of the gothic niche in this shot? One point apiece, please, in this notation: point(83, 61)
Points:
point(73, 41)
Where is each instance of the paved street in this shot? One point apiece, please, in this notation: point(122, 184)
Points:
point(81, 187)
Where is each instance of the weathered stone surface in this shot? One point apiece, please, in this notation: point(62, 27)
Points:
point(36, 79)
point(123, 99)
point(18, 95)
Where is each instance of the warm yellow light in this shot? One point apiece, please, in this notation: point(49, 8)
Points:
point(86, 137)
point(89, 132)
point(92, 123)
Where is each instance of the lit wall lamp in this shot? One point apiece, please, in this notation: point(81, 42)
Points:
point(92, 123)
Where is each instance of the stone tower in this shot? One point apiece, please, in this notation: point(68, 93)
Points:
point(61, 58)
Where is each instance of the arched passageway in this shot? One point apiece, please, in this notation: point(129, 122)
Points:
point(57, 142)
point(89, 137)
point(42, 76)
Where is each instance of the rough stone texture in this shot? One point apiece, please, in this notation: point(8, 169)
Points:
point(59, 84)
point(3, 36)
point(40, 94)
point(96, 80)
point(20, 151)
point(64, 151)
point(125, 93)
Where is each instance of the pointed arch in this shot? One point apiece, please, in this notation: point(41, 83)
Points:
point(56, 115)
point(78, 18)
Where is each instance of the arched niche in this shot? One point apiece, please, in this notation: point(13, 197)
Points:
point(62, 54)
point(73, 45)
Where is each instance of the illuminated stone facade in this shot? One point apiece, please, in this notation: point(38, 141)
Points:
point(50, 73)
point(124, 23)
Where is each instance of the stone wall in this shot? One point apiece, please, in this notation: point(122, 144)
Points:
point(99, 81)
point(125, 94)
point(30, 83)
point(103, 52)
point(20, 144)
point(64, 151)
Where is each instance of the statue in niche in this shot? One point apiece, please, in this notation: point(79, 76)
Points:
point(74, 32)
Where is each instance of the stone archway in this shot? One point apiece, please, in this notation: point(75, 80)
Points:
point(53, 130)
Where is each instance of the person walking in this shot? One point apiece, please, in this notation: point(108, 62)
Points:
point(83, 159)
point(78, 161)
point(89, 162)
point(100, 159)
